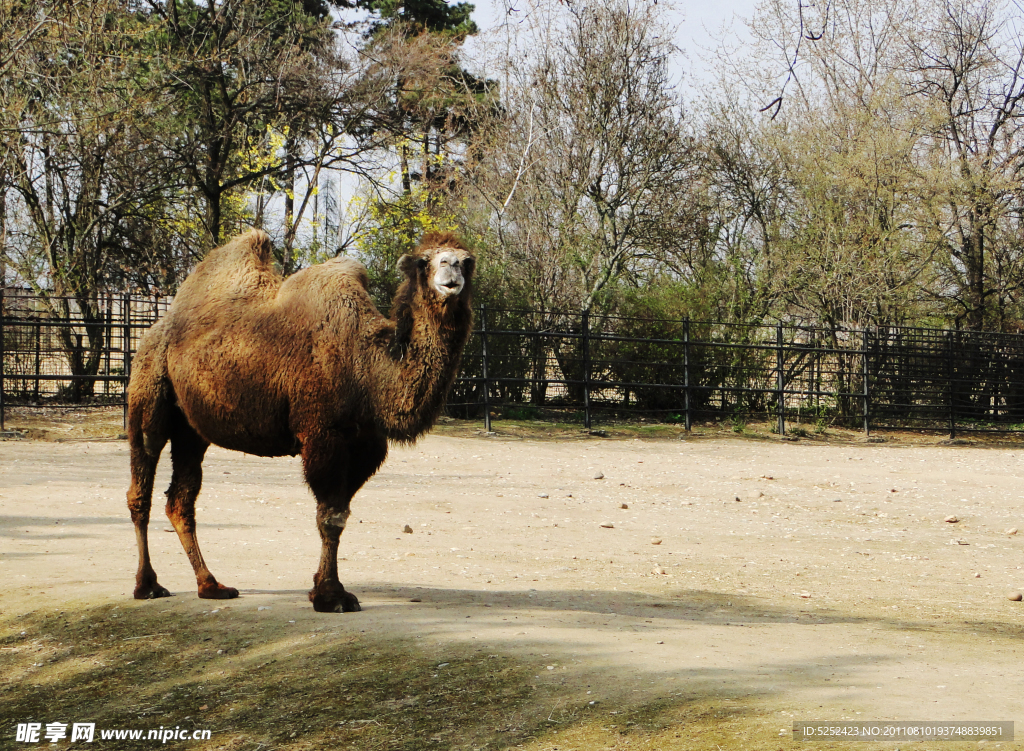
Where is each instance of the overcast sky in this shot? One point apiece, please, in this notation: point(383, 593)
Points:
point(699, 24)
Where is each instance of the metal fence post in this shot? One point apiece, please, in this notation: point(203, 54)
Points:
point(108, 336)
point(126, 350)
point(38, 357)
point(483, 368)
point(780, 395)
point(686, 374)
point(586, 370)
point(2, 357)
point(949, 384)
point(76, 368)
point(865, 373)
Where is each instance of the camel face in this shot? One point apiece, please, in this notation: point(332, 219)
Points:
point(447, 273)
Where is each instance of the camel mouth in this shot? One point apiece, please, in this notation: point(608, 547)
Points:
point(448, 288)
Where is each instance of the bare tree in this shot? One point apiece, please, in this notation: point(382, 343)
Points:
point(589, 175)
point(77, 168)
point(968, 68)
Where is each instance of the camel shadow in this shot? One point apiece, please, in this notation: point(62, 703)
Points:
point(682, 605)
point(281, 679)
point(46, 528)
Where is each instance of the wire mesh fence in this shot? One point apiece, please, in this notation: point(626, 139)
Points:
point(589, 370)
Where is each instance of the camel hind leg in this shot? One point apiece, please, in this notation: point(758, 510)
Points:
point(187, 451)
point(147, 435)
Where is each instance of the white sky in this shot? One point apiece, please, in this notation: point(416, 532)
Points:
point(699, 26)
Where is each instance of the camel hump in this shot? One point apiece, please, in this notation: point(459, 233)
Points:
point(349, 267)
point(258, 242)
point(337, 275)
point(241, 268)
point(320, 287)
point(249, 249)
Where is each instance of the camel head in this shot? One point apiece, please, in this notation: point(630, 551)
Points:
point(441, 267)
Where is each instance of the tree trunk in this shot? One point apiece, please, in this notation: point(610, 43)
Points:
point(406, 178)
point(213, 217)
point(288, 255)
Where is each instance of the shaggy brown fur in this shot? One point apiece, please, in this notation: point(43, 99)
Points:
point(249, 361)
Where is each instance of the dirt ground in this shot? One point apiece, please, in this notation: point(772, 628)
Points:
point(702, 593)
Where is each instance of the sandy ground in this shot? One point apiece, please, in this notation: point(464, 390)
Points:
point(777, 581)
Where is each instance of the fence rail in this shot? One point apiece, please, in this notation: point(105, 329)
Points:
point(585, 369)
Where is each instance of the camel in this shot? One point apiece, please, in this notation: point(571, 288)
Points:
point(307, 365)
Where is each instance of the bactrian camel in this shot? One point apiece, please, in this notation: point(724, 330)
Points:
point(250, 361)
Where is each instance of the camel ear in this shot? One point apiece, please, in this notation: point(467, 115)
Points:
point(468, 265)
point(408, 265)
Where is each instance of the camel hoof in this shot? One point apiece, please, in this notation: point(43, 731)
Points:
point(220, 592)
point(151, 592)
point(334, 602)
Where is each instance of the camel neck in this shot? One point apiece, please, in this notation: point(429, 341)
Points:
point(422, 363)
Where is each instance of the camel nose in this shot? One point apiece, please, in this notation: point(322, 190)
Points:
point(448, 278)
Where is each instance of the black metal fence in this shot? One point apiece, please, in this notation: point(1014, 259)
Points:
point(51, 360)
point(588, 370)
point(523, 364)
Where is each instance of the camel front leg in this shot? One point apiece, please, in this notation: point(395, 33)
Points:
point(328, 595)
point(336, 464)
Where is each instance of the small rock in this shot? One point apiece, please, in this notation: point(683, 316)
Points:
point(599, 475)
point(1015, 596)
point(407, 529)
point(542, 495)
point(416, 599)
point(168, 529)
point(608, 525)
point(738, 499)
point(658, 570)
point(656, 541)
point(624, 505)
point(1011, 531)
point(263, 607)
point(977, 576)
point(951, 519)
